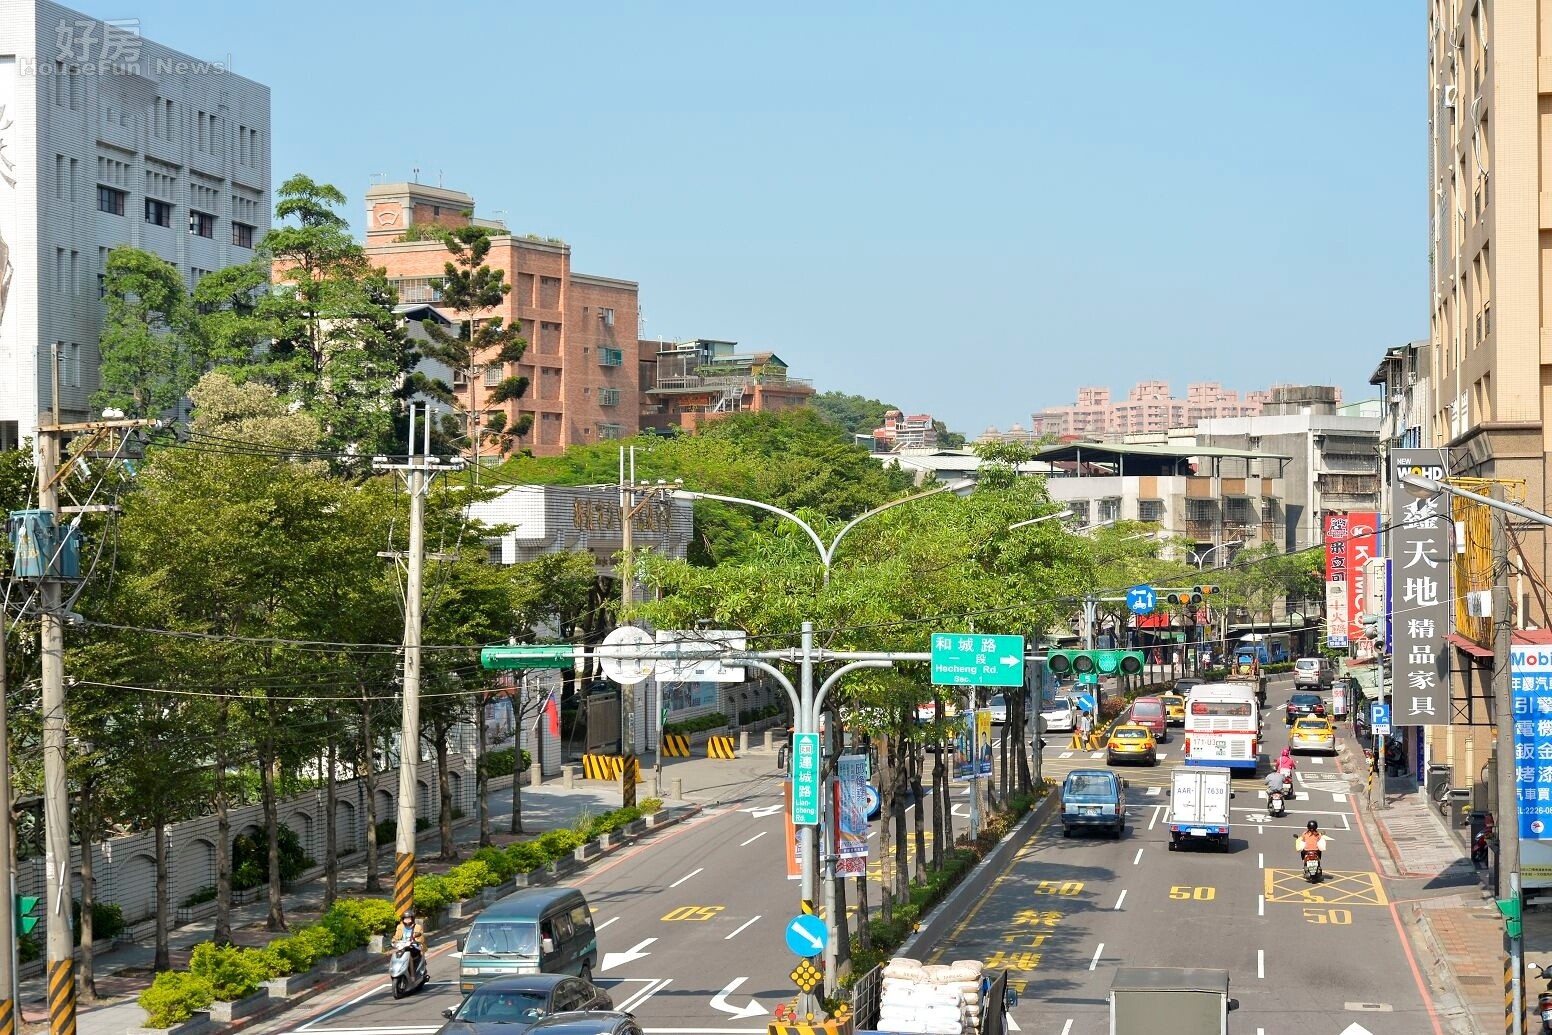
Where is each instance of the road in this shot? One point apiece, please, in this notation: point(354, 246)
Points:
point(691, 923)
point(1307, 958)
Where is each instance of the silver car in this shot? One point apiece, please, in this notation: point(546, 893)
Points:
point(1316, 672)
point(1059, 715)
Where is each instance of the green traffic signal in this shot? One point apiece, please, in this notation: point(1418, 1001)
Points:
point(1090, 662)
point(25, 904)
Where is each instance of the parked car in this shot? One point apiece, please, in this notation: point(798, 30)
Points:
point(1316, 672)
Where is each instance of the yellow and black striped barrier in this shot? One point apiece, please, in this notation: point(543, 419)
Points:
point(404, 883)
point(608, 767)
point(833, 1026)
point(7, 1013)
point(676, 745)
point(61, 997)
point(720, 747)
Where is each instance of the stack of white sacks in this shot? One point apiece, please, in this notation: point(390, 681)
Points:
point(931, 1000)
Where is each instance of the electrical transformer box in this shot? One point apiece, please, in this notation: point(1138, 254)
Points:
point(39, 547)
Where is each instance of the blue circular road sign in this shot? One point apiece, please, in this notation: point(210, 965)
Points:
point(806, 935)
point(1142, 599)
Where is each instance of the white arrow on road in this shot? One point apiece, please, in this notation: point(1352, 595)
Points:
point(761, 811)
point(1356, 1029)
point(635, 952)
point(719, 1002)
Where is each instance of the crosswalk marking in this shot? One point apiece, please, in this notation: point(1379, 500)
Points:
point(1152, 791)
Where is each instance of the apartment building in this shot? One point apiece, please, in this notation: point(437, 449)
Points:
point(582, 359)
point(693, 381)
point(109, 139)
point(1406, 392)
point(1148, 408)
point(904, 431)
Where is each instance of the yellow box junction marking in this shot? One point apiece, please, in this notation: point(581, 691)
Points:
point(1352, 888)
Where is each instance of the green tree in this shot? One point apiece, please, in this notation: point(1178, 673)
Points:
point(853, 414)
point(152, 352)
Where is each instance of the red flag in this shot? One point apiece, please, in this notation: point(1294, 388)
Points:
point(552, 713)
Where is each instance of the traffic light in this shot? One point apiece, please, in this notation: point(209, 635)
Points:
point(1094, 662)
point(1193, 595)
point(25, 904)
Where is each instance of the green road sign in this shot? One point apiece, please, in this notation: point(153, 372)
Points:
point(805, 779)
point(971, 659)
point(543, 655)
point(25, 904)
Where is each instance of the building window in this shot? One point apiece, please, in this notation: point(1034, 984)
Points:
point(203, 224)
point(158, 212)
point(492, 375)
point(102, 285)
point(610, 431)
point(608, 357)
point(110, 200)
point(606, 316)
point(242, 235)
point(608, 397)
point(1150, 510)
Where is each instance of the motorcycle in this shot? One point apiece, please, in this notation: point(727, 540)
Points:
point(1274, 804)
point(1312, 870)
point(1479, 849)
point(406, 969)
point(1544, 999)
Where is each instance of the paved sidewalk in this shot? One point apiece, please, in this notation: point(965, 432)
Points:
point(123, 971)
point(1442, 901)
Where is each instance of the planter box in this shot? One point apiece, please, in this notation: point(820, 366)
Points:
point(293, 984)
point(635, 826)
point(587, 852)
point(199, 1024)
point(377, 944)
point(247, 1006)
point(463, 907)
point(352, 960)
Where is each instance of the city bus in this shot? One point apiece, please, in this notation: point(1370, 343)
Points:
point(1223, 726)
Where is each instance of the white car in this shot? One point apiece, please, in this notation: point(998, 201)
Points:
point(998, 706)
point(1058, 715)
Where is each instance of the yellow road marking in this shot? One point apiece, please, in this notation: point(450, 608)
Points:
point(1338, 888)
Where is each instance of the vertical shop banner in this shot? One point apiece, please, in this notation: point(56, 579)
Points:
point(1363, 542)
point(1420, 597)
point(1338, 593)
point(794, 843)
point(851, 815)
point(1530, 696)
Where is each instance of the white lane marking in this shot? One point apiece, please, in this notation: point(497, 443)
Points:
point(1097, 754)
point(646, 993)
point(1320, 761)
point(755, 838)
point(719, 1002)
point(1095, 961)
point(687, 876)
point(1137, 858)
point(1260, 905)
point(1067, 1028)
point(636, 952)
point(745, 924)
point(1011, 1023)
point(871, 834)
point(606, 923)
point(762, 811)
point(1120, 900)
point(1154, 792)
point(1156, 810)
point(369, 993)
point(1340, 797)
point(1065, 754)
point(1261, 964)
point(1260, 861)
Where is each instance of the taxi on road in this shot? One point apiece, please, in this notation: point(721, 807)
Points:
point(1131, 742)
point(1312, 734)
point(1174, 709)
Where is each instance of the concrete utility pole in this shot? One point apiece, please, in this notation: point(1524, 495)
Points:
point(9, 995)
point(1508, 825)
point(418, 471)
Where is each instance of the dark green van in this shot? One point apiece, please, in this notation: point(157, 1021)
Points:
point(533, 931)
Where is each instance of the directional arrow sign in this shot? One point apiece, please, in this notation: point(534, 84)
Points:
point(806, 935)
point(719, 1002)
point(635, 952)
point(761, 811)
point(971, 659)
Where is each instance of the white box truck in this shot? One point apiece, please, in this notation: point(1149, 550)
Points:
point(1199, 806)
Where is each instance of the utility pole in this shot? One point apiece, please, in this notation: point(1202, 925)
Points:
point(9, 994)
point(418, 471)
point(1508, 825)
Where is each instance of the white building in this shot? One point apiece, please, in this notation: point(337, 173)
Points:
point(109, 139)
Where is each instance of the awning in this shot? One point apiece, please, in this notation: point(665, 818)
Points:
point(1471, 647)
point(1533, 636)
point(1156, 620)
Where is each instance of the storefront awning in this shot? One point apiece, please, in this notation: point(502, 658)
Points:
point(1471, 647)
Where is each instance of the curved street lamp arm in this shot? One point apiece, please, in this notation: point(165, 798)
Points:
point(812, 535)
point(835, 677)
point(854, 522)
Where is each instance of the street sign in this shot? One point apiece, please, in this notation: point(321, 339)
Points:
point(806, 935)
point(1379, 718)
point(805, 779)
point(1085, 702)
point(614, 660)
point(1142, 600)
point(971, 659)
point(541, 655)
point(697, 668)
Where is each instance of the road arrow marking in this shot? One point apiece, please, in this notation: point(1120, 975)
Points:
point(719, 1002)
point(760, 812)
point(635, 952)
point(1356, 1029)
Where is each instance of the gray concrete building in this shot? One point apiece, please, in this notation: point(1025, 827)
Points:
point(109, 139)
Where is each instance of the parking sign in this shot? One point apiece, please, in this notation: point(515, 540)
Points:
point(1379, 718)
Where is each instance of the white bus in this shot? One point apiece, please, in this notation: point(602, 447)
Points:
point(1223, 726)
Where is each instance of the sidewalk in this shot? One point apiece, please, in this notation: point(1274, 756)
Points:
point(1456, 935)
point(124, 970)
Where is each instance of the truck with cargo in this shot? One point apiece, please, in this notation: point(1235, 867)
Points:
point(1199, 806)
point(959, 998)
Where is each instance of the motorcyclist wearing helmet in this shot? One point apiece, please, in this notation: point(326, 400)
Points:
point(410, 929)
point(1311, 840)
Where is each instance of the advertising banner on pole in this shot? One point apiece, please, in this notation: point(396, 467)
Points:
point(1363, 546)
point(851, 816)
point(1338, 595)
point(1420, 596)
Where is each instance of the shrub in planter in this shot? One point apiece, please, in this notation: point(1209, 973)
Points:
point(430, 894)
point(233, 972)
point(650, 805)
point(173, 997)
point(200, 897)
point(558, 843)
point(498, 862)
point(387, 830)
point(526, 856)
point(28, 948)
point(377, 915)
point(467, 880)
point(345, 931)
point(107, 921)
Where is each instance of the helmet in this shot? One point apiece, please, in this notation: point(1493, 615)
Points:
point(409, 916)
point(1312, 826)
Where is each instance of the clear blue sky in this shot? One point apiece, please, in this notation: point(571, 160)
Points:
point(967, 209)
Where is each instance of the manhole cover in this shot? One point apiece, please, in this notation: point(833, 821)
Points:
point(1370, 1007)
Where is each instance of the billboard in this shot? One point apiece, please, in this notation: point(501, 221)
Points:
point(851, 815)
point(1530, 697)
point(18, 244)
point(1420, 597)
point(1338, 592)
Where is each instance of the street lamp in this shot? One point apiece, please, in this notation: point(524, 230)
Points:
point(1042, 517)
point(1200, 559)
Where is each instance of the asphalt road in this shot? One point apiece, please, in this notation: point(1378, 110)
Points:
point(1302, 958)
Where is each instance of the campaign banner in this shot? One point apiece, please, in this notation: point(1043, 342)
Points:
point(973, 745)
point(1338, 593)
point(851, 815)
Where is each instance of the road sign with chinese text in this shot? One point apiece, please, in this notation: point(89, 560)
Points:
point(973, 659)
point(805, 779)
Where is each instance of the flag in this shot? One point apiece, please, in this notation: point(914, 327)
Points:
point(552, 713)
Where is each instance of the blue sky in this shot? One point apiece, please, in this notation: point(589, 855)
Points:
point(966, 209)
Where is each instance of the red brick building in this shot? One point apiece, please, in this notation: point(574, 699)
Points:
point(689, 382)
point(582, 360)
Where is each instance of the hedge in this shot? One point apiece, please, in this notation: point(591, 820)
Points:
point(228, 973)
point(696, 725)
point(499, 763)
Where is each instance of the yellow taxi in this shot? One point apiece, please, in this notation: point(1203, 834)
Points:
point(1174, 709)
point(1312, 734)
point(1130, 742)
